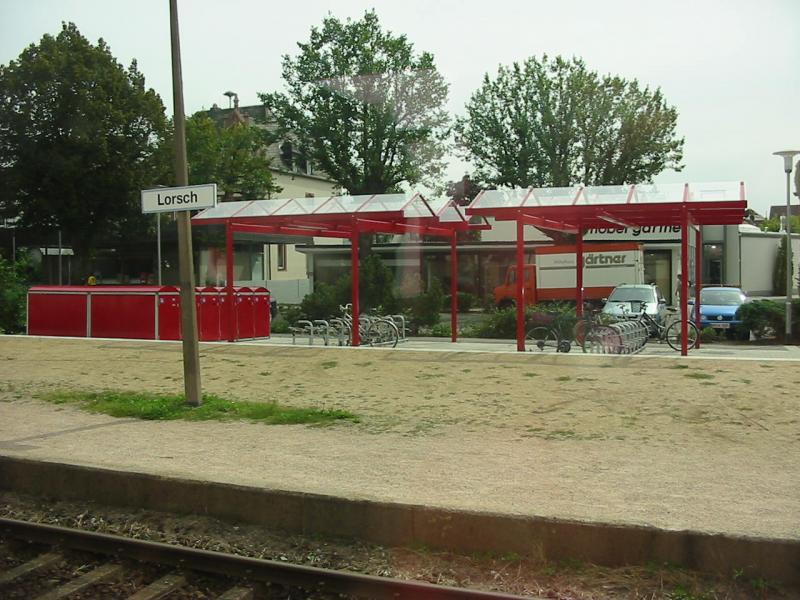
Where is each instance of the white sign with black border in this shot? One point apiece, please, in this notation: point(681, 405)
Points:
point(190, 197)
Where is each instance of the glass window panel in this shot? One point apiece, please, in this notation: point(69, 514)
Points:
point(300, 206)
point(724, 191)
point(659, 192)
point(260, 208)
point(342, 205)
point(222, 210)
point(386, 202)
point(605, 194)
point(500, 199)
point(555, 196)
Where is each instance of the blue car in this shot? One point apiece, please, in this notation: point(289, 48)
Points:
point(719, 308)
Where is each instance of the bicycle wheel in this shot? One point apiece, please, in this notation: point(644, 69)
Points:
point(673, 335)
point(542, 338)
point(383, 334)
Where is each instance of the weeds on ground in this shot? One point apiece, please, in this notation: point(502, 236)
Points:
point(167, 407)
point(697, 375)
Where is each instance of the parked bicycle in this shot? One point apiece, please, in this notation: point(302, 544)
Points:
point(373, 330)
point(593, 333)
point(551, 331)
point(670, 330)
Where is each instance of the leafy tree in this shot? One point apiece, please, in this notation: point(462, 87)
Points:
point(464, 191)
point(77, 139)
point(232, 157)
point(552, 122)
point(363, 106)
point(13, 294)
point(779, 270)
point(774, 224)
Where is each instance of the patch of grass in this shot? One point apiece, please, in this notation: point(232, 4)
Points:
point(530, 374)
point(265, 373)
point(698, 375)
point(564, 378)
point(168, 407)
point(363, 364)
point(329, 364)
point(679, 367)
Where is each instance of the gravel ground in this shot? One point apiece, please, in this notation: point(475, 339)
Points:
point(705, 445)
point(511, 574)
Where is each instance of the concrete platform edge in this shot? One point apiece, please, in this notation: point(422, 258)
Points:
point(406, 525)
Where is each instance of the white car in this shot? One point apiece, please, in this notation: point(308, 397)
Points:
point(628, 300)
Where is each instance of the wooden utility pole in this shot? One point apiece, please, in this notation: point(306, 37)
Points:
point(191, 357)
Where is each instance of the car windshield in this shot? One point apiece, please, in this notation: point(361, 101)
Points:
point(721, 297)
point(631, 295)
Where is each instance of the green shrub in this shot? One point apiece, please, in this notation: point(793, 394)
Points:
point(502, 323)
point(375, 286)
point(279, 325)
point(709, 335)
point(323, 302)
point(767, 318)
point(779, 270)
point(441, 330)
point(290, 313)
point(13, 293)
point(465, 302)
point(425, 307)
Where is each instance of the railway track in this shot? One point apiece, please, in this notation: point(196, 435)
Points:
point(45, 562)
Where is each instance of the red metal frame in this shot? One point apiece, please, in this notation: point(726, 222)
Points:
point(345, 225)
point(576, 218)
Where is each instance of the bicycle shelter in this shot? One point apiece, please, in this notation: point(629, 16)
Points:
point(344, 217)
point(575, 209)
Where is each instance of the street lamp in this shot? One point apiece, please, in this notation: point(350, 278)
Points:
point(788, 155)
point(230, 96)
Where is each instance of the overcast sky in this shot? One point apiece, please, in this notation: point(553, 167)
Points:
point(731, 67)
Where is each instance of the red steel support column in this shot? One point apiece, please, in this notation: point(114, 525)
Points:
point(684, 280)
point(354, 262)
point(579, 272)
point(520, 285)
point(231, 314)
point(453, 290)
point(698, 273)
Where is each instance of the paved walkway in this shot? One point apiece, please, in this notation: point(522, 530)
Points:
point(713, 351)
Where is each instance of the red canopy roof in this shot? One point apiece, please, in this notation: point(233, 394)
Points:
point(626, 205)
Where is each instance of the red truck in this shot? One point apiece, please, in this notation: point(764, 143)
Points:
point(553, 277)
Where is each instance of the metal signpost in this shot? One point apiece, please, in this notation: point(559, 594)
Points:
point(183, 199)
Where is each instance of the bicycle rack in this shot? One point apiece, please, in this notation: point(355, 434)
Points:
point(632, 336)
point(400, 323)
point(303, 328)
point(325, 329)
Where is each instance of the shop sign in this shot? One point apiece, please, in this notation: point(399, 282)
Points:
point(645, 233)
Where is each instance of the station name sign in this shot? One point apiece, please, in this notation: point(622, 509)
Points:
point(190, 197)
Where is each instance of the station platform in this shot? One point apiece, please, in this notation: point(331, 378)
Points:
point(613, 460)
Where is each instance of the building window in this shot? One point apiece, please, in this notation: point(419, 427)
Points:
point(712, 264)
point(287, 155)
point(281, 257)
